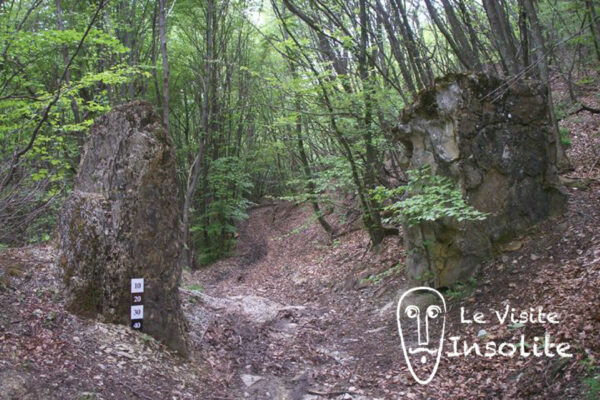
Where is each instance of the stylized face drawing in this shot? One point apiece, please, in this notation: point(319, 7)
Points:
point(421, 328)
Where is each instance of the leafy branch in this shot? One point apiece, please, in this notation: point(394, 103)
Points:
point(425, 198)
point(19, 153)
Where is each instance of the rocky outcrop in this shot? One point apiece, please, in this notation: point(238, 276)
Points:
point(494, 141)
point(122, 221)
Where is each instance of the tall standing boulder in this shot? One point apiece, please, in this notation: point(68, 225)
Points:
point(493, 139)
point(122, 221)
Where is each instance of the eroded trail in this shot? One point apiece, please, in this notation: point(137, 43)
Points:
point(292, 319)
point(300, 321)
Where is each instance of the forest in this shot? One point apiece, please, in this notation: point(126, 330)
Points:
point(327, 155)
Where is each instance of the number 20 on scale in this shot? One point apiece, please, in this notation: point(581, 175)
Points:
point(137, 303)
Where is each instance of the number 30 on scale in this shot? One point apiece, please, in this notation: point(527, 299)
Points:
point(137, 303)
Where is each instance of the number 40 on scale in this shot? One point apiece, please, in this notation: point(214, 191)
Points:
point(137, 303)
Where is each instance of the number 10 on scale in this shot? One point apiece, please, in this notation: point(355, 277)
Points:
point(137, 303)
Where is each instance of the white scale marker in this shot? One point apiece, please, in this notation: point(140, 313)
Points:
point(137, 303)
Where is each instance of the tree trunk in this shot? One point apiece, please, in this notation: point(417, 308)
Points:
point(372, 216)
point(540, 54)
point(397, 52)
point(310, 185)
point(502, 35)
point(594, 26)
point(422, 69)
point(471, 53)
point(199, 166)
point(162, 28)
point(74, 105)
point(524, 34)
point(154, 56)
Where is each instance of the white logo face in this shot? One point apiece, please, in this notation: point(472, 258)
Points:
point(421, 329)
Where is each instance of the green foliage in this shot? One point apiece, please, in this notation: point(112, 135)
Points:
point(565, 136)
point(589, 365)
point(425, 198)
point(516, 325)
point(395, 270)
point(221, 209)
point(561, 110)
point(591, 382)
point(31, 69)
point(271, 84)
point(586, 80)
point(196, 288)
point(147, 339)
point(462, 289)
point(332, 180)
point(592, 386)
point(308, 222)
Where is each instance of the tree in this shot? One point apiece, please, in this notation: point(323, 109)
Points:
point(162, 24)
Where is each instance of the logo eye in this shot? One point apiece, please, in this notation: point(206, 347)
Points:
point(433, 311)
point(412, 311)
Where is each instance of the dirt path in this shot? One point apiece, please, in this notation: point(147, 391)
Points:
point(324, 330)
point(302, 324)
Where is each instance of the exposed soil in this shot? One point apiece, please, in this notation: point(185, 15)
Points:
point(344, 342)
point(294, 315)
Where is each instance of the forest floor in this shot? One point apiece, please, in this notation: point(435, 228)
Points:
point(294, 315)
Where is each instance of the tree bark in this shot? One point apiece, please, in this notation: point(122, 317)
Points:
point(310, 185)
point(594, 26)
point(471, 53)
point(540, 54)
point(397, 52)
point(422, 69)
point(199, 167)
point(463, 54)
point(162, 28)
point(65, 56)
point(502, 35)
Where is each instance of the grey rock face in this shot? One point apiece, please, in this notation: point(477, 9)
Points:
point(122, 221)
point(496, 145)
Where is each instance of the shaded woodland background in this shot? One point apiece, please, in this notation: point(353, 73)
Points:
point(292, 99)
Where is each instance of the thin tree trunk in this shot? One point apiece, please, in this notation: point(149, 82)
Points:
point(154, 57)
point(377, 231)
point(524, 35)
point(65, 56)
point(422, 70)
point(132, 59)
point(594, 26)
point(502, 35)
point(396, 50)
point(14, 162)
point(461, 38)
point(540, 54)
point(199, 167)
point(162, 27)
point(310, 185)
point(464, 55)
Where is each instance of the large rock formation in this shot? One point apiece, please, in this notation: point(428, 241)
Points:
point(493, 140)
point(122, 221)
